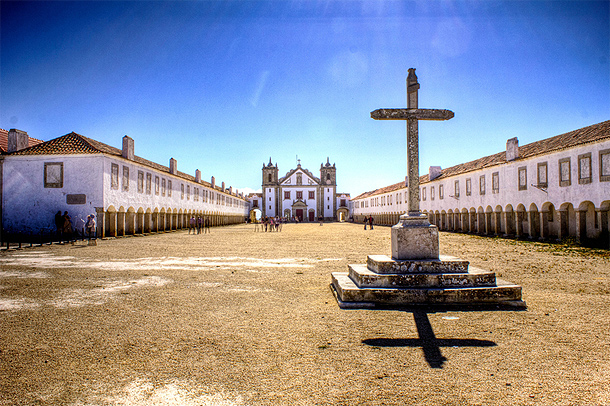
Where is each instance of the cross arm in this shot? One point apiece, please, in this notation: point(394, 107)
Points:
point(406, 114)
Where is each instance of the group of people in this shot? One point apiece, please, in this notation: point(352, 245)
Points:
point(65, 229)
point(269, 224)
point(368, 220)
point(196, 224)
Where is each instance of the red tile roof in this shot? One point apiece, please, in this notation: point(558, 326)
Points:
point(593, 133)
point(4, 140)
point(76, 144)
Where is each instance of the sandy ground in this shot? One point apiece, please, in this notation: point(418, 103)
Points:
point(243, 318)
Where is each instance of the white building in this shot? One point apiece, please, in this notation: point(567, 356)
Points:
point(300, 194)
point(128, 194)
point(550, 189)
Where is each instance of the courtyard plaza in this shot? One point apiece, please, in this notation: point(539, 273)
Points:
point(236, 317)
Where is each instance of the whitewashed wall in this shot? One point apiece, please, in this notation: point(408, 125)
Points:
point(29, 207)
point(118, 197)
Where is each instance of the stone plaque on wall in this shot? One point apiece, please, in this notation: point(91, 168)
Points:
point(76, 199)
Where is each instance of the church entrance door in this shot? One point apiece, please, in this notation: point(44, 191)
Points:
point(311, 216)
point(300, 214)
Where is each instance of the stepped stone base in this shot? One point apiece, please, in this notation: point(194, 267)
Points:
point(386, 282)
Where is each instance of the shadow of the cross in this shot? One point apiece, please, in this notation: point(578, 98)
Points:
point(427, 340)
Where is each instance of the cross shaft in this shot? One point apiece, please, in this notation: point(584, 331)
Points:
point(412, 114)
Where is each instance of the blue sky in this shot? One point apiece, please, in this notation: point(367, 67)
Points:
point(221, 86)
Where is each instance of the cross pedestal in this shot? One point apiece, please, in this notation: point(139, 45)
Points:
point(413, 237)
point(416, 274)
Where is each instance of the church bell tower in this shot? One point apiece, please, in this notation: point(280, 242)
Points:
point(328, 191)
point(270, 189)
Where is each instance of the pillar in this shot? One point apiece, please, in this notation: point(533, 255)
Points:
point(533, 224)
point(120, 223)
point(101, 222)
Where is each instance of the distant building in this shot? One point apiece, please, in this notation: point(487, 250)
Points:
point(127, 193)
point(550, 189)
point(301, 195)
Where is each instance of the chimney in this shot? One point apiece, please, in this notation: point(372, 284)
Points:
point(230, 190)
point(512, 149)
point(213, 182)
point(128, 148)
point(197, 176)
point(173, 166)
point(434, 172)
point(222, 187)
point(17, 140)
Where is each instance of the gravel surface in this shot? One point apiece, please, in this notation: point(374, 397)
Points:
point(242, 318)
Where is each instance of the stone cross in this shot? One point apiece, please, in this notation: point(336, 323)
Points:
point(412, 114)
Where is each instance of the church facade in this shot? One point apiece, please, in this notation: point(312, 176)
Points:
point(551, 189)
point(302, 196)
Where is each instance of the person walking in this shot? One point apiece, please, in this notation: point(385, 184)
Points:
point(90, 226)
point(206, 224)
point(366, 220)
point(371, 222)
point(199, 224)
point(192, 225)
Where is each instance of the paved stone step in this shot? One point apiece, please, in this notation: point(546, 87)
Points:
point(349, 293)
point(365, 278)
point(384, 264)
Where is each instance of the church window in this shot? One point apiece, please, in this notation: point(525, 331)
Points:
point(543, 179)
point(196, 194)
point(188, 192)
point(157, 185)
point(255, 203)
point(565, 177)
point(441, 192)
point(125, 178)
point(114, 176)
point(312, 194)
point(584, 168)
point(53, 174)
point(287, 195)
point(328, 176)
point(468, 187)
point(495, 182)
point(163, 187)
point(522, 178)
point(328, 207)
point(270, 179)
point(299, 178)
point(269, 198)
point(300, 194)
point(182, 190)
point(148, 183)
point(423, 193)
point(169, 188)
point(604, 165)
point(343, 203)
point(140, 182)
point(456, 188)
point(431, 192)
point(482, 185)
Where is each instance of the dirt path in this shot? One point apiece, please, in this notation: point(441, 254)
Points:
point(243, 318)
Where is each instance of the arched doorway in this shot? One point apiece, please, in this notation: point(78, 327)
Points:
point(255, 215)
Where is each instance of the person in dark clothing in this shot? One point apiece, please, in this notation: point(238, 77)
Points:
point(59, 224)
point(371, 222)
point(366, 220)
